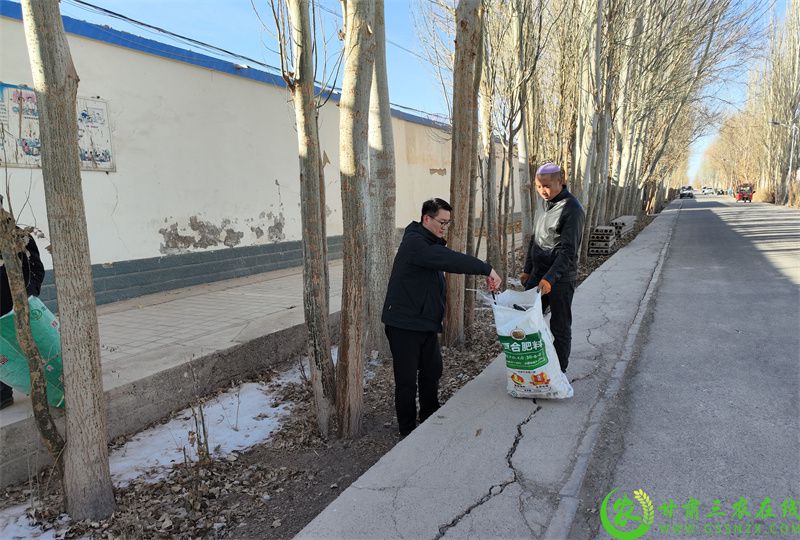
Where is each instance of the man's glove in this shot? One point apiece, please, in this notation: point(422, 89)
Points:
point(545, 287)
point(523, 278)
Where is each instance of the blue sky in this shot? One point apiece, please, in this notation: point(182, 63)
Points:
point(734, 91)
point(233, 25)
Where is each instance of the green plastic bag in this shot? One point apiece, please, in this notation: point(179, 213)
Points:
point(13, 364)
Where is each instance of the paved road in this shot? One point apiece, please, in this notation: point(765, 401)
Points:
point(710, 407)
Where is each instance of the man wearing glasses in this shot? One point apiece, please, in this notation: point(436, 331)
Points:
point(414, 309)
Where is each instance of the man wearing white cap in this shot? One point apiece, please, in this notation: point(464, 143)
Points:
point(552, 261)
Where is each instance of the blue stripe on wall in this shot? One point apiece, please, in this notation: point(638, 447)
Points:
point(129, 279)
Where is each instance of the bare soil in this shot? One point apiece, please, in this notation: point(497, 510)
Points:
point(274, 489)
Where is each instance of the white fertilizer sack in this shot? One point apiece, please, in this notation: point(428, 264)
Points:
point(532, 368)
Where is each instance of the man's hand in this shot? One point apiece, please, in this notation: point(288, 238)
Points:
point(493, 281)
point(523, 278)
point(545, 287)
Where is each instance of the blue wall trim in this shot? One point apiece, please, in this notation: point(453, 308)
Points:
point(129, 279)
point(12, 10)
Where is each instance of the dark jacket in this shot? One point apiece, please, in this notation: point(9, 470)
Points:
point(32, 273)
point(557, 234)
point(415, 297)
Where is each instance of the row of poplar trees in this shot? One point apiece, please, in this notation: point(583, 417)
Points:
point(760, 144)
point(613, 90)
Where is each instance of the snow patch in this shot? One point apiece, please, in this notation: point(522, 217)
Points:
point(235, 421)
point(15, 523)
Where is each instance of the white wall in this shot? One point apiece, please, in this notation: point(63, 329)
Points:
point(195, 143)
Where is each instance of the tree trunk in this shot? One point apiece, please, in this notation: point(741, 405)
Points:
point(468, 35)
point(491, 201)
point(631, 55)
point(522, 144)
point(359, 53)
point(488, 171)
point(512, 271)
point(471, 281)
point(323, 225)
point(87, 482)
point(483, 209)
point(525, 185)
point(381, 202)
point(592, 95)
point(12, 243)
point(315, 265)
point(508, 185)
point(502, 211)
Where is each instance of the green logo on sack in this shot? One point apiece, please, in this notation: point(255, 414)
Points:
point(626, 515)
point(524, 351)
point(36, 314)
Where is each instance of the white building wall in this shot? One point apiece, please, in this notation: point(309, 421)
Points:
point(200, 152)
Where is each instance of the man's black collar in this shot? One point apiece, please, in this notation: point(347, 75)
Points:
point(561, 196)
point(428, 234)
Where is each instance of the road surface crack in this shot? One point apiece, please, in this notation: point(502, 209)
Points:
point(597, 367)
point(495, 489)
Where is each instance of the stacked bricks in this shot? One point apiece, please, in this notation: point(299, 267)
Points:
point(623, 225)
point(602, 239)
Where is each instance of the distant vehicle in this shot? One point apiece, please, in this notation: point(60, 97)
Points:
point(720, 192)
point(708, 191)
point(686, 192)
point(744, 193)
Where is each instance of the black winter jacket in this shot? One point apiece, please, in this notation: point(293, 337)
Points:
point(32, 273)
point(557, 235)
point(415, 297)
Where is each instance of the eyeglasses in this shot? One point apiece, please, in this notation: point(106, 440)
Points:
point(445, 223)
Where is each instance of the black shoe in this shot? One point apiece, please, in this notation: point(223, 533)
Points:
point(6, 401)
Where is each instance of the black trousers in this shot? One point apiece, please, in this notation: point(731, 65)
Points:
point(416, 359)
point(560, 302)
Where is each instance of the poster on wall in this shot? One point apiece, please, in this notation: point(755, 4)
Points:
point(20, 145)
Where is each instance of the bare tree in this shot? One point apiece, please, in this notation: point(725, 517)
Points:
point(434, 22)
point(13, 242)
point(298, 68)
point(509, 68)
point(471, 280)
point(359, 53)
point(761, 143)
point(468, 23)
point(87, 481)
point(488, 153)
point(381, 201)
